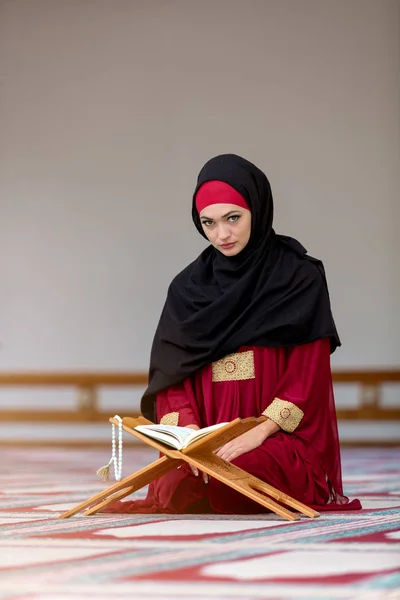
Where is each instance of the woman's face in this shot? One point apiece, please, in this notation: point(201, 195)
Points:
point(227, 227)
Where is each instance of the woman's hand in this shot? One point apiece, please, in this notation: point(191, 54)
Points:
point(247, 441)
point(195, 471)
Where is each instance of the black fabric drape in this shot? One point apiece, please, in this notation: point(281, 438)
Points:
point(270, 294)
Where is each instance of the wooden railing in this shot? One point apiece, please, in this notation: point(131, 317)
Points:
point(87, 385)
point(370, 394)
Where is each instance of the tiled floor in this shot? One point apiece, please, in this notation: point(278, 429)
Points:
point(340, 555)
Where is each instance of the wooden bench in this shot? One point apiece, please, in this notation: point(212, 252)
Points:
point(88, 384)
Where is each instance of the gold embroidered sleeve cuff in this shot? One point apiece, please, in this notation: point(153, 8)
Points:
point(285, 414)
point(171, 418)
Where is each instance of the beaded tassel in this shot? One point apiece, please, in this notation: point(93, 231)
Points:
point(104, 472)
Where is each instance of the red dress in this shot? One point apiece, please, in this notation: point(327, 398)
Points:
point(293, 387)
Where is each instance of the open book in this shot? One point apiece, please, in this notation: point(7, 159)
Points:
point(176, 437)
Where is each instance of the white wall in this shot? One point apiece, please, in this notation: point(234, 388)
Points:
point(110, 107)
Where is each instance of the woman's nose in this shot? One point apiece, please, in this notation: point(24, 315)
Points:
point(223, 232)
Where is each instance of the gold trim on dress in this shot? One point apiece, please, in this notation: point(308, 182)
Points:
point(171, 418)
point(285, 414)
point(234, 367)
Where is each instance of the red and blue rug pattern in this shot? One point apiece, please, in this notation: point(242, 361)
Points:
point(338, 556)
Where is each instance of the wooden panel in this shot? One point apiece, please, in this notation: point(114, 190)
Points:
point(79, 416)
point(76, 379)
point(367, 376)
point(88, 383)
point(368, 413)
point(71, 379)
point(57, 416)
point(104, 378)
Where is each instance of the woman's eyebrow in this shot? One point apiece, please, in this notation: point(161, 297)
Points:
point(223, 216)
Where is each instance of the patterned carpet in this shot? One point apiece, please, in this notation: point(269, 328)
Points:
point(354, 555)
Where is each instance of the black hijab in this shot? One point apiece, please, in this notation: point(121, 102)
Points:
point(270, 294)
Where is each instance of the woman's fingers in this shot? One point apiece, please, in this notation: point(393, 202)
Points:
point(230, 451)
point(226, 451)
point(221, 452)
point(196, 473)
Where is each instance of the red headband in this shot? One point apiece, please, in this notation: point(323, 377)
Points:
point(218, 192)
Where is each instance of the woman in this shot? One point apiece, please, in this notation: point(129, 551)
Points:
point(246, 330)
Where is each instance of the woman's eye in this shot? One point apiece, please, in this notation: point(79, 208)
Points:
point(233, 218)
point(207, 223)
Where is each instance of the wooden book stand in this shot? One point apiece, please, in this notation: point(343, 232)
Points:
point(200, 454)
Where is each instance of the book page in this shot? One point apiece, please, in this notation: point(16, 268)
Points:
point(178, 435)
point(197, 435)
point(170, 438)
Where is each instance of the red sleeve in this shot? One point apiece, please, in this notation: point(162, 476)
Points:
point(176, 405)
point(302, 395)
point(304, 403)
